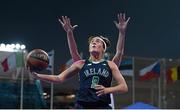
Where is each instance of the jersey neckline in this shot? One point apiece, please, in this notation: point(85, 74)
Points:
point(96, 62)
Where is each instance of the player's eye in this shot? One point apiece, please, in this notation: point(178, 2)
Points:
point(97, 40)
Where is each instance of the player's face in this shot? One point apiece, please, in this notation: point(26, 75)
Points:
point(96, 45)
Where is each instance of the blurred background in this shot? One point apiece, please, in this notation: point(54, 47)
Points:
point(151, 46)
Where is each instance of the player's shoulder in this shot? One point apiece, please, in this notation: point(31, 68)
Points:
point(79, 63)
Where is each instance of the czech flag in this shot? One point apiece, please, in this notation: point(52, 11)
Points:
point(150, 72)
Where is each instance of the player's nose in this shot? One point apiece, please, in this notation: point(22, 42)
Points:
point(94, 43)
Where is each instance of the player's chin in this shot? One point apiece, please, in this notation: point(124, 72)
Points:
point(95, 50)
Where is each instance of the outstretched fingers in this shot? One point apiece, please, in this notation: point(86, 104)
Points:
point(75, 26)
point(60, 21)
point(128, 19)
point(121, 18)
point(124, 16)
point(66, 23)
point(116, 23)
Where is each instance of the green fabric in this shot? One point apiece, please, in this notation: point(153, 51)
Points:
point(19, 59)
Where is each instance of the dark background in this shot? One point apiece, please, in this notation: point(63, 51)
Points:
point(153, 29)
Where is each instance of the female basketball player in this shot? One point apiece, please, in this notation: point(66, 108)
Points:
point(121, 25)
point(95, 76)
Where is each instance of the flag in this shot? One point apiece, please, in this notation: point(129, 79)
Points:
point(173, 74)
point(150, 72)
point(14, 60)
point(51, 60)
point(19, 59)
point(126, 67)
point(66, 65)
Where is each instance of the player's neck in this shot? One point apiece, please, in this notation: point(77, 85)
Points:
point(96, 54)
point(95, 58)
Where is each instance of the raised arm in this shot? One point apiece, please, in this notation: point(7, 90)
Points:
point(66, 24)
point(121, 26)
point(68, 73)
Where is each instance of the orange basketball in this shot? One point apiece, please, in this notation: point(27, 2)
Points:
point(37, 60)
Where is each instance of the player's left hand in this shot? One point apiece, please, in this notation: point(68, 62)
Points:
point(122, 23)
point(101, 90)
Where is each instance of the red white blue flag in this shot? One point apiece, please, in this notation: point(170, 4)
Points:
point(150, 72)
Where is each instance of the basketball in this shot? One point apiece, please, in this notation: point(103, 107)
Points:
point(37, 60)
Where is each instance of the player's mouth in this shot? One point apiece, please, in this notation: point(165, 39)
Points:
point(93, 46)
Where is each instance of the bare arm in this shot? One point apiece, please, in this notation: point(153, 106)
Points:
point(122, 86)
point(66, 24)
point(121, 83)
point(121, 26)
point(68, 73)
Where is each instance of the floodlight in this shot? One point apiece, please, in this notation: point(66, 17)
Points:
point(18, 46)
point(12, 47)
point(23, 47)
